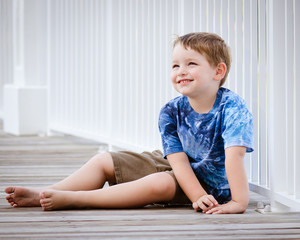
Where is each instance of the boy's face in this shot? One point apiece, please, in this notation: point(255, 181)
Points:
point(191, 72)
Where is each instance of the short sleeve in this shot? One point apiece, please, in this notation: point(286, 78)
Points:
point(238, 126)
point(168, 130)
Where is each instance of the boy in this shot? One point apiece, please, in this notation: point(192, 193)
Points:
point(205, 134)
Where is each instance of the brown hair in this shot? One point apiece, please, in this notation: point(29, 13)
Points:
point(212, 46)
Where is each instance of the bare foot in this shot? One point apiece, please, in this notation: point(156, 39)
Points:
point(23, 197)
point(55, 200)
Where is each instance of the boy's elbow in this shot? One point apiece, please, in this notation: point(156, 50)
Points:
point(243, 209)
point(243, 200)
point(243, 205)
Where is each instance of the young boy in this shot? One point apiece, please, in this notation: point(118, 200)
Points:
point(205, 134)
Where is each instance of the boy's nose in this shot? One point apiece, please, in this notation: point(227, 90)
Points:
point(182, 71)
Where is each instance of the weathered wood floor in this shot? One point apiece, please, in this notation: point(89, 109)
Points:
point(39, 161)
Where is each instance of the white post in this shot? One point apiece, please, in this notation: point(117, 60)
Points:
point(296, 12)
point(276, 104)
point(25, 101)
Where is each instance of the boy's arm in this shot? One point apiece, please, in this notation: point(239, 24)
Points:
point(238, 182)
point(189, 182)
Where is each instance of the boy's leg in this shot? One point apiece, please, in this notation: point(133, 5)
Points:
point(157, 187)
point(90, 176)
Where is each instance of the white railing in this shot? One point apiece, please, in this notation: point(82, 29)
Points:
point(109, 64)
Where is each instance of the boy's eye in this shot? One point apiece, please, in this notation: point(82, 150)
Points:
point(192, 63)
point(175, 66)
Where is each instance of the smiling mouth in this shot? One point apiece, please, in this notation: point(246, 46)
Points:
point(183, 81)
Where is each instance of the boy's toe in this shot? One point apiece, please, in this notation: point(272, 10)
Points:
point(46, 194)
point(9, 198)
point(9, 190)
point(46, 206)
point(42, 196)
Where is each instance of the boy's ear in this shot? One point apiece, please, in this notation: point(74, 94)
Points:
point(220, 71)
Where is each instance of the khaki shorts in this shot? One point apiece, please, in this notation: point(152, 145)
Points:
point(130, 166)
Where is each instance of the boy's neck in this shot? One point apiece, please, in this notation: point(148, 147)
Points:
point(203, 103)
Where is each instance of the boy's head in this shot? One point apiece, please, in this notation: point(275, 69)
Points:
point(212, 46)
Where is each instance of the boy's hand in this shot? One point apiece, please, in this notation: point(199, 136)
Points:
point(230, 207)
point(205, 203)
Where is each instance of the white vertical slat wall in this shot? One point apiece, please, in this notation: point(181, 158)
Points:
point(283, 103)
point(109, 61)
point(79, 88)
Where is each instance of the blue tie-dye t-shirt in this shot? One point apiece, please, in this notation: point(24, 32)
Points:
point(204, 137)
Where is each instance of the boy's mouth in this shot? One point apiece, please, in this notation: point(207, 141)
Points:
point(184, 81)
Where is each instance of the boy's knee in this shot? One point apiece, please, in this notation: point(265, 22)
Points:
point(103, 158)
point(105, 162)
point(163, 185)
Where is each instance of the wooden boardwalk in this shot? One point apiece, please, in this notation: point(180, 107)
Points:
point(39, 161)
